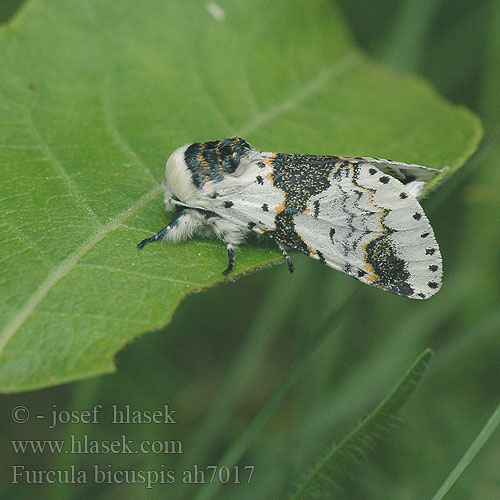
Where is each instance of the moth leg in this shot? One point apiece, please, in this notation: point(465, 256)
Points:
point(287, 257)
point(160, 235)
point(228, 234)
point(230, 253)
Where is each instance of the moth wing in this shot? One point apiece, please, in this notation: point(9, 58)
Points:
point(368, 225)
point(249, 196)
point(404, 172)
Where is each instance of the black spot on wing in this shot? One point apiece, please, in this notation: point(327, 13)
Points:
point(316, 208)
point(228, 204)
point(321, 257)
point(265, 207)
point(392, 271)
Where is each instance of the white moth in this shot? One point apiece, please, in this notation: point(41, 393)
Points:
point(358, 215)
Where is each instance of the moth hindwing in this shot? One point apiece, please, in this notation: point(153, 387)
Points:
point(359, 215)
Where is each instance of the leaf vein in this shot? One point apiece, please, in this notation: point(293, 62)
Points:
point(51, 157)
point(136, 273)
point(317, 83)
point(25, 239)
point(115, 133)
point(57, 274)
point(93, 316)
point(211, 102)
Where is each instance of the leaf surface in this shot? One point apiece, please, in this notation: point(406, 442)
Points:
point(94, 96)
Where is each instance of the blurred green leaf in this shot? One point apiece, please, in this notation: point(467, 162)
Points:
point(234, 453)
point(481, 439)
point(404, 46)
point(95, 96)
point(8, 8)
point(490, 97)
point(326, 479)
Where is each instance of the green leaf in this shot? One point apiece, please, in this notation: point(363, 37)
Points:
point(325, 480)
point(251, 432)
point(489, 428)
point(96, 95)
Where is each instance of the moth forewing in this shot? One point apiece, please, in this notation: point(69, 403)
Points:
point(253, 199)
point(404, 172)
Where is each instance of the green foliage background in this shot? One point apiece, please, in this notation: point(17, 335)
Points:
point(227, 349)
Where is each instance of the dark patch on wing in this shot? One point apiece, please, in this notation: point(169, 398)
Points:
point(299, 177)
point(392, 271)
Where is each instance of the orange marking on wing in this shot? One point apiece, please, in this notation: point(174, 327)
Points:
point(373, 276)
point(279, 208)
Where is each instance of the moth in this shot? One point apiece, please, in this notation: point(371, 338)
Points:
point(358, 215)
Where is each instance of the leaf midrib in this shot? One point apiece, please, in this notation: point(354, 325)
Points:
point(67, 265)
